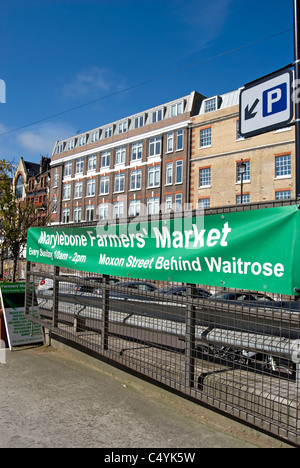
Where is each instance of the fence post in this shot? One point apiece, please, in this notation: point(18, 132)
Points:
point(55, 297)
point(190, 336)
point(105, 313)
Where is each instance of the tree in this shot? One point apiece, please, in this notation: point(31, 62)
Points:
point(16, 216)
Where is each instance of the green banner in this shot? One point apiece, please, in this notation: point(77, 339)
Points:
point(255, 250)
point(20, 331)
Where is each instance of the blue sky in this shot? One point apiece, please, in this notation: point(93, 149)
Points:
point(128, 56)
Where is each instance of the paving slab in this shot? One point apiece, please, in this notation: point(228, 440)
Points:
point(51, 398)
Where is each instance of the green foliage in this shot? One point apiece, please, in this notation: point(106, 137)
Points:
point(16, 216)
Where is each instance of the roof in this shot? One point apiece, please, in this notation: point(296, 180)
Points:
point(223, 101)
point(32, 168)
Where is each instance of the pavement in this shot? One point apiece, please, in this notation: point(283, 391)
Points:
point(54, 397)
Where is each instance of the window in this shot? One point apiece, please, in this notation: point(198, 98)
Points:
point(136, 179)
point(66, 215)
point(283, 165)
point(283, 195)
point(19, 186)
point(108, 132)
point(121, 155)
point(136, 151)
point(60, 148)
point(104, 185)
point(68, 169)
point(71, 144)
point(118, 209)
point(119, 182)
point(153, 176)
point(54, 204)
point(123, 127)
point(177, 109)
point(103, 211)
point(238, 135)
point(82, 140)
point(95, 136)
point(153, 205)
point(157, 115)
point(179, 172)
point(67, 192)
point(246, 199)
point(169, 173)
point(79, 165)
point(78, 190)
point(90, 188)
point(205, 137)
point(56, 179)
point(77, 214)
point(210, 105)
point(178, 202)
point(139, 121)
point(179, 140)
point(205, 177)
point(134, 207)
point(89, 213)
point(204, 203)
point(105, 159)
point(155, 147)
point(246, 176)
point(168, 203)
point(170, 142)
point(92, 161)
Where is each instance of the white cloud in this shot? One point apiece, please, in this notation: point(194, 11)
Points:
point(32, 142)
point(89, 82)
point(206, 18)
point(41, 140)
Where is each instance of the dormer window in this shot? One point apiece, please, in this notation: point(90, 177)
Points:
point(108, 132)
point(139, 121)
point(177, 109)
point(157, 115)
point(59, 148)
point(123, 126)
point(71, 144)
point(82, 140)
point(95, 136)
point(212, 104)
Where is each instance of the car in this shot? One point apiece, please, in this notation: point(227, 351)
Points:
point(181, 291)
point(85, 288)
point(129, 288)
point(243, 296)
point(138, 286)
point(248, 298)
point(65, 286)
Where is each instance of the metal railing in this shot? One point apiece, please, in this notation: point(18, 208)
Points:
point(237, 351)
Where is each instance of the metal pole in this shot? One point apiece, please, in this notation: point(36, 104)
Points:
point(55, 296)
point(190, 337)
point(297, 104)
point(105, 313)
point(242, 187)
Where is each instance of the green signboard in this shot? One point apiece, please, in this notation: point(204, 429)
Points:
point(20, 331)
point(255, 250)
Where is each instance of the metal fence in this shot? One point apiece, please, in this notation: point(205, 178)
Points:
point(233, 350)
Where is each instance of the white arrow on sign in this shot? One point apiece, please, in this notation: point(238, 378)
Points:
point(266, 104)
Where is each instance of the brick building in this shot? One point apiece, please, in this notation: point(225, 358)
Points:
point(37, 188)
point(137, 165)
point(217, 150)
point(31, 182)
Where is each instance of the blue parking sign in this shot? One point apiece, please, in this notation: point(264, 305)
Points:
point(275, 100)
point(266, 104)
